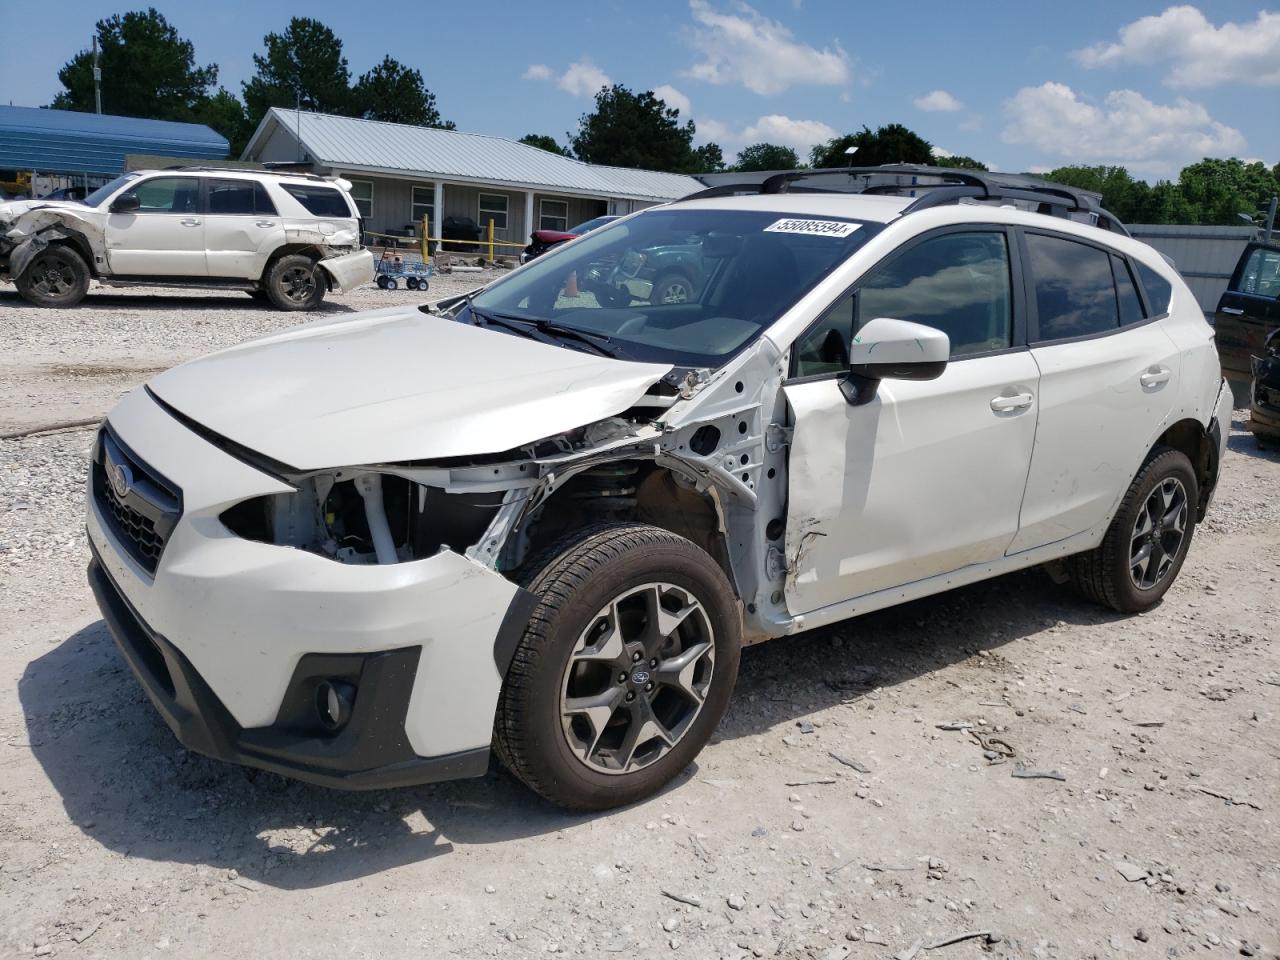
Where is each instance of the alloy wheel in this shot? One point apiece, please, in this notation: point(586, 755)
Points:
point(52, 276)
point(1158, 533)
point(637, 678)
point(299, 284)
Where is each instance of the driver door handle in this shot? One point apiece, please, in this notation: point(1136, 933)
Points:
point(1155, 377)
point(189, 222)
point(1019, 401)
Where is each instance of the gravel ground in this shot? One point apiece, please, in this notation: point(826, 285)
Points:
point(838, 812)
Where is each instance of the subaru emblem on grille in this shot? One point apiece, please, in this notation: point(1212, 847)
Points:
point(121, 479)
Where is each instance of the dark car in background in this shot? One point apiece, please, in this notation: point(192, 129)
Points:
point(543, 240)
point(1249, 311)
point(1264, 394)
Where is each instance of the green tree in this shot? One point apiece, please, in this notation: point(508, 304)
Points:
point(148, 70)
point(958, 161)
point(1222, 189)
point(224, 113)
point(766, 156)
point(396, 93)
point(544, 142)
point(1127, 198)
point(628, 129)
point(892, 143)
point(709, 157)
point(302, 66)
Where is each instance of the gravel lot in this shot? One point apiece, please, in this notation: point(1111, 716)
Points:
point(838, 813)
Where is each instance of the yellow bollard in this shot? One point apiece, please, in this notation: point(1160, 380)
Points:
point(426, 247)
point(491, 239)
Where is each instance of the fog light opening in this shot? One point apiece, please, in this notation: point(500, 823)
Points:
point(333, 704)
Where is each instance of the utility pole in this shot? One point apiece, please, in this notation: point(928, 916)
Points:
point(97, 78)
point(1271, 221)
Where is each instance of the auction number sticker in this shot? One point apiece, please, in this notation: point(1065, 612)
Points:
point(813, 228)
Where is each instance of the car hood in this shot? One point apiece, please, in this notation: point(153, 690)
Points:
point(397, 385)
point(11, 210)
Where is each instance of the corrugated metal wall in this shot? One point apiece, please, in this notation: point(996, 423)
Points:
point(1205, 256)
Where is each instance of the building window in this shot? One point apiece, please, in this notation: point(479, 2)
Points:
point(424, 205)
point(493, 206)
point(362, 194)
point(553, 215)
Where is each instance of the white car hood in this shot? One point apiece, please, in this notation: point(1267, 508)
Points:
point(10, 210)
point(396, 385)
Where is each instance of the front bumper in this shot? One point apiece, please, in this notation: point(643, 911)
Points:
point(350, 270)
point(230, 637)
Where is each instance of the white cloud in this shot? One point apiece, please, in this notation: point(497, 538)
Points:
point(538, 71)
point(938, 101)
point(673, 98)
point(776, 128)
point(1198, 53)
point(752, 51)
point(583, 79)
point(1127, 129)
point(942, 151)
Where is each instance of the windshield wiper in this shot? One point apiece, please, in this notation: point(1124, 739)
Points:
point(548, 328)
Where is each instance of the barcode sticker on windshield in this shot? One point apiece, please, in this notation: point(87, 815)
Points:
point(815, 228)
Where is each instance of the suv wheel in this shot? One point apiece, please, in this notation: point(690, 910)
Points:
point(671, 287)
point(624, 670)
point(1148, 539)
point(56, 277)
point(295, 283)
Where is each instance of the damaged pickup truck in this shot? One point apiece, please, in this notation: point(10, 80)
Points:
point(282, 238)
point(543, 519)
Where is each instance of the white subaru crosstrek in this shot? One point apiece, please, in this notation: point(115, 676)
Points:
point(284, 238)
point(544, 518)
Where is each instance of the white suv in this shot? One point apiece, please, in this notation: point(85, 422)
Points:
point(283, 238)
point(545, 517)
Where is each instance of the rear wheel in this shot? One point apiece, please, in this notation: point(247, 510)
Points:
point(624, 670)
point(1143, 550)
point(671, 287)
point(56, 277)
point(294, 282)
point(381, 281)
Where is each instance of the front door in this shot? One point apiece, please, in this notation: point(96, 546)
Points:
point(164, 237)
point(928, 477)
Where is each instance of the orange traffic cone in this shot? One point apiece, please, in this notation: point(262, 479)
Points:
point(571, 284)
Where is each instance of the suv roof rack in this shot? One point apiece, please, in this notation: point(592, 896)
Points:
point(278, 169)
point(946, 185)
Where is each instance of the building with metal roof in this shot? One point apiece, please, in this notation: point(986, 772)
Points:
point(401, 173)
point(66, 142)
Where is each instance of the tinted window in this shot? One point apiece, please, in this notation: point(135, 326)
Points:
point(1126, 293)
point(1159, 290)
point(319, 201)
point(1260, 275)
point(1075, 291)
point(168, 195)
point(736, 272)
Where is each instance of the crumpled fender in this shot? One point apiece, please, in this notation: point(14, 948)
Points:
point(34, 229)
point(22, 255)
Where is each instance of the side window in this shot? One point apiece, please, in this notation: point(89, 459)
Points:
point(957, 283)
point(1126, 293)
point(1260, 276)
point(320, 201)
point(1159, 290)
point(233, 197)
point(1075, 289)
point(168, 195)
point(262, 202)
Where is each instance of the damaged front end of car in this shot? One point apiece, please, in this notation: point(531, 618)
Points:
point(29, 227)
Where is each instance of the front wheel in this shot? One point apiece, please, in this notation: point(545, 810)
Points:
point(295, 282)
point(624, 670)
point(56, 277)
point(1148, 539)
point(671, 287)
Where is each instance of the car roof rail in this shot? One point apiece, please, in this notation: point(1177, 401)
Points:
point(947, 185)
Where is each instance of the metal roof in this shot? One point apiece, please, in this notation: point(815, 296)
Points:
point(352, 144)
point(64, 141)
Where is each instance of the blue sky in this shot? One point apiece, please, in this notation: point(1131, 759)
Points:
point(1148, 85)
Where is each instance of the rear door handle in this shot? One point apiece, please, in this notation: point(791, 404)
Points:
point(265, 223)
point(1233, 310)
point(1019, 401)
point(1155, 377)
point(189, 222)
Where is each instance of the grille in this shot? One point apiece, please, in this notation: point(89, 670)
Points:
point(141, 507)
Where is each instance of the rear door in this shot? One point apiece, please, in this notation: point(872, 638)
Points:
point(1108, 378)
point(1248, 310)
point(927, 477)
point(164, 237)
point(242, 228)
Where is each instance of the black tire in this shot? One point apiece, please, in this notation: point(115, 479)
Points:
point(391, 283)
point(295, 282)
point(577, 581)
point(381, 281)
point(57, 276)
point(672, 286)
point(412, 283)
point(1105, 574)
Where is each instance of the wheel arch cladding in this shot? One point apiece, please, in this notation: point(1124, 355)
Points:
point(1190, 438)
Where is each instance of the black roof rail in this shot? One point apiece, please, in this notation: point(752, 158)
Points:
point(946, 185)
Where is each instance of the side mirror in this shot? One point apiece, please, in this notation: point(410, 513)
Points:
point(125, 203)
point(888, 349)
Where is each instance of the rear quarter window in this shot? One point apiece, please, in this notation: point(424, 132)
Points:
point(1159, 290)
point(319, 201)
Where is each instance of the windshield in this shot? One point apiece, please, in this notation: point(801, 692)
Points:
point(106, 190)
point(682, 286)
